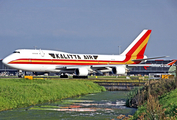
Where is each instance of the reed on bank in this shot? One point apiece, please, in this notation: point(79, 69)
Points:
point(16, 93)
point(156, 100)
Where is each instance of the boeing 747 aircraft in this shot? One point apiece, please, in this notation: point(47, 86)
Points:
point(80, 64)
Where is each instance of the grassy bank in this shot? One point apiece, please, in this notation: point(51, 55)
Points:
point(162, 108)
point(15, 93)
point(156, 101)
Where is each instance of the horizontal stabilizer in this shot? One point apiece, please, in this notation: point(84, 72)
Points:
point(150, 58)
point(142, 65)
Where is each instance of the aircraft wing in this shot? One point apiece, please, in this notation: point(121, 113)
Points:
point(116, 69)
point(103, 67)
point(90, 68)
point(67, 67)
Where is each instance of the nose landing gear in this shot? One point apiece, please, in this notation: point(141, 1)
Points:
point(20, 74)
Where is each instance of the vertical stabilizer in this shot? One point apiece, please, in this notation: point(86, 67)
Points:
point(138, 46)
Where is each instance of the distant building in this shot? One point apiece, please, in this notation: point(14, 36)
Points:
point(6, 70)
point(146, 70)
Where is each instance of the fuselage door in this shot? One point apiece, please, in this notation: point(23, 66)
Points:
point(41, 53)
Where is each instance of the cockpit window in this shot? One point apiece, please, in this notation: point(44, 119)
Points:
point(16, 52)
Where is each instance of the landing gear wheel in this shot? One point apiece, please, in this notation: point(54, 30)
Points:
point(63, 76)
point(20, 75)
point(75, 76)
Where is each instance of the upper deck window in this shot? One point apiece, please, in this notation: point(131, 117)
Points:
point(16, 52)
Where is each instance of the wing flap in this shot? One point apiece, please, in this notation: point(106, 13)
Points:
point(67, 67)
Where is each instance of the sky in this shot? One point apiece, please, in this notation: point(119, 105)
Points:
point(88, 26)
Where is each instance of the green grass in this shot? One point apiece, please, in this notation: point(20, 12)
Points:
point(99, 78)
point(163, 101)
point(169, 102)
point(16, 93)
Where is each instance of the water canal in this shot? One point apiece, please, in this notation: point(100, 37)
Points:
point(106, 105)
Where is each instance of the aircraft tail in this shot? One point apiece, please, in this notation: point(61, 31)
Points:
point(137, 48)
point(172, 62)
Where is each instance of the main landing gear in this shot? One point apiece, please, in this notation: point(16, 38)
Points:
point(75, 76)
point(63, 75)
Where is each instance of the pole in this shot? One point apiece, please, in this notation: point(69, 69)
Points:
point(119, 49)
point(176, 77)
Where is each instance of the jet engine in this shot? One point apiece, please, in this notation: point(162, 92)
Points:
point(119, 70)
point(81, 72)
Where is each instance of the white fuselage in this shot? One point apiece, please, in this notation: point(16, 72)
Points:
point(49, 60)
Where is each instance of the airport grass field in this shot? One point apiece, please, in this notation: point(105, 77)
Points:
point(16, 93)
point(103, 78)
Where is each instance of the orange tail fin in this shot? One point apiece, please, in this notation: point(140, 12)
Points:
point(137, 48)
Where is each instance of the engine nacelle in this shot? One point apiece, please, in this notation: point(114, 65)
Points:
point(81, 72)
point(119, 70)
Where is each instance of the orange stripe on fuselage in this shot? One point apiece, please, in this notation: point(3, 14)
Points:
point(63, 62)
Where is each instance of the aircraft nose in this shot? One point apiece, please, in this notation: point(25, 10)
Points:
point(5, 61)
